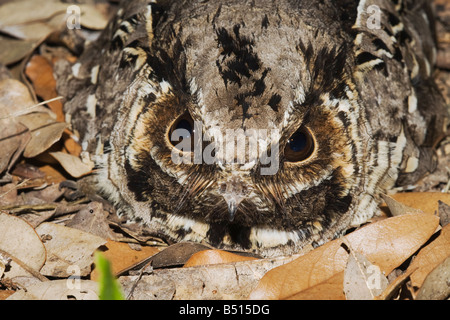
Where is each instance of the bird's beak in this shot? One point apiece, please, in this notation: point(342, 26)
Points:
point(232, 208)
point(233, 192)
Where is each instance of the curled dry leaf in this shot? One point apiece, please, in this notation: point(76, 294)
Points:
point(14, 136)
point(386, 243)
point(17, 49)
point(92, 219)
point(428, 202)
point(72, 164)
point(436, 285)
point(444, 213)
point(397, 208)
point(45, 131)
point(176, 254)
point(430, 256)
point(40, 72)
point(207, 257)
point(362, 279)
point(20, 241)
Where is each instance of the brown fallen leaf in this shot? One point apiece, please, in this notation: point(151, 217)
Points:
point(8, 194)
point(436, 285)
point(444, 213)
point(397, 208)
point(17, 49)
point(430, 256)
point(331, 289)
point(69, 250)
point(36, 20)
point(176, 254)
point(45, 131)
point(14, 98)
point(122, 256)
point(92, 219)
point(4, 294)
point(394, 286)
point(40, 72)
point(208, 257)
point(72, 164)
point(13, 139)
point(362, 279)
point(19, 240)
point(65, 289)
point(27, 171)
point(386, 243)
point(14, 136)
point(218, 281)
point(425, 201)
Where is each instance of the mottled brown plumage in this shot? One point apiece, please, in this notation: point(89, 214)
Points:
point(331, 103)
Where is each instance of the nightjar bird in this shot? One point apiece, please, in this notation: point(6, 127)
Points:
point(257, 125)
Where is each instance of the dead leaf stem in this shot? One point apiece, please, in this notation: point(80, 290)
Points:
point(24, 266)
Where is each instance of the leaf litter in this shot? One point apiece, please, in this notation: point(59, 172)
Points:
point(402, 253)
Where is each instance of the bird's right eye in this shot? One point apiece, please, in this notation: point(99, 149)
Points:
point(300, 146)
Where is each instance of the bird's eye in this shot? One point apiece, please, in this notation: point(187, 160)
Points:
point(182, 131)
point(300, 146)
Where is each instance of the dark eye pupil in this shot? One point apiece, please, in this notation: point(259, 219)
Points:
point(299, 146)
point(298, 142)
point(185, 124)
point(181, 133)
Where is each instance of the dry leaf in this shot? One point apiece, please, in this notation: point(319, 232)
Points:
point(425, 201)
point(331, 289)
point(13, 139)
point(17, 49)
point(122, 256)
point(67, 289)
point(8, 194)
point(437, 283)
point(208, 257)
point(27, 171)
point(14, 99)
point(92, 18)
point(72, 164)
point(430, 256)
point(67, 249)
point(219, 281)
point(444, 213)
point(362, 279)
point(19, 240)
point(394, 286)
point(45, 131)
point(386, 243)
point(397, 208)
point(33, 19)
point(92, 219)
point(40, 72)
point(4, 294)
point(177, 254)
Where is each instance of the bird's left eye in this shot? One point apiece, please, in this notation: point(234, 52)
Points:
point(182, 130)
point(299, 146)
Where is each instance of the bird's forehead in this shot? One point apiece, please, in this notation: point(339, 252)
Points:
point(243, 74)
